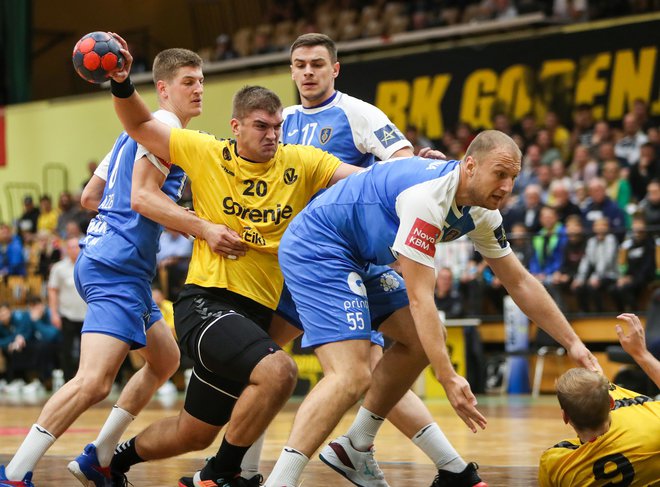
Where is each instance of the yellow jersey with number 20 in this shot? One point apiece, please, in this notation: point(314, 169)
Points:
point(256, 199)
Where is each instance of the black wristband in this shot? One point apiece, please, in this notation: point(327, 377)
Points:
point(123, 89)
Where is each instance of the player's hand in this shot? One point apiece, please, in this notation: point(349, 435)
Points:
point(224, 241)
point(429, 153)
point(56, 320)
point(634, 342)
point(121, 74)
point(463, 401)
point(584, 358)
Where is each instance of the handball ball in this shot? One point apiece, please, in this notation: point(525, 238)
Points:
point(96, 55)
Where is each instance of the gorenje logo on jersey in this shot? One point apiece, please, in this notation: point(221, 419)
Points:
point(257, 215)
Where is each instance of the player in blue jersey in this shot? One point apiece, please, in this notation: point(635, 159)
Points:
point(397, 210)
point(359, 134)
point(113, 274)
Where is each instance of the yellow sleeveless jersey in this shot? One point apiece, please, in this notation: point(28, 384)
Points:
point(257, 200)
point(627, 455)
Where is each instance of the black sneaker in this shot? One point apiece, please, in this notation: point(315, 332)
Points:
point(119, 479)
point(255, 481)
point(467, 478)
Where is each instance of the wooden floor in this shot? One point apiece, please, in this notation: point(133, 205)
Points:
point(518, 431)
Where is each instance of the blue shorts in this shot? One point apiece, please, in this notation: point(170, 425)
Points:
point(332, 298)
point(118, 304)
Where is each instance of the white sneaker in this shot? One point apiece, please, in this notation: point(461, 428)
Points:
point(360, 467)
point(167, 389)
point(15, 386)
point(33, 388)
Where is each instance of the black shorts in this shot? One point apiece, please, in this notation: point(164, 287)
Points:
point(225, 335)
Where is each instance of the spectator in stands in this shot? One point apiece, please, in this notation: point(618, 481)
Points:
point(570, 10)
point(447, 298)
point(561, 201)
point(12, 260)
point(574, 250)
point(47, 220)
point(418, 141)
point(173, 257)
point(73, 230)
point(46, 344)
point(583, 167)
point(527, 211)
point(14, 335)
point(464, 134)
point(548, 150)
point(67, 308)
point(560, 136)
point(69, 211)
point(644, 171)
point(544, 180)
point(598, 269)
point(650, 208)
point(48, 250)
point(27, 222)
point(548, 245)
point(527, 129)
point(641, 111)
point(499, 10)
point(559, 174)
point(92, 164)
point(640, 265)
point(601, 135)
point(628, 147)
point(606, 152)
point(501, 122)
point(583, 126)
point(617, 186)
point(530, 163)
point(600, 205)
point(224, 49)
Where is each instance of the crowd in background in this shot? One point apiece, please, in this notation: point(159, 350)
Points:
point(348, 20)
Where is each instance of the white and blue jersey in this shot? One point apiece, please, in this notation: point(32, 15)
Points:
point(398, 207)
point(354, 131)
point(357, 133)
point(118, 258)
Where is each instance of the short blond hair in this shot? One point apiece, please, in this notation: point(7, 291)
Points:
point(584, 397)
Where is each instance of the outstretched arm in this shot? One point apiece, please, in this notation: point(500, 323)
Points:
point(420, 283)
point(535, 302)
point(134, 114)
point(635, 344)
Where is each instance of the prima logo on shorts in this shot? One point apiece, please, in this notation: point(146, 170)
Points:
point(389, 282)
point(356, 284)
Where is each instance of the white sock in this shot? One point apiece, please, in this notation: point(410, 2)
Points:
point(288, 468)
point(250, 463)
point(432, 441)
point(364, 429)
point(34, 446)
point(110, 434)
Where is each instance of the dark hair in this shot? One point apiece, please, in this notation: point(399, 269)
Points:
point(315, 39)
point(251, 98)
point(169, 61)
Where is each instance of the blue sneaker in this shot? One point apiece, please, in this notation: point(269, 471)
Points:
point(5, 482)
point(88, 471)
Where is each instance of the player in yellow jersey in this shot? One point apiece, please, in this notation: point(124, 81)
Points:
point(254, 186)
point(618, 432)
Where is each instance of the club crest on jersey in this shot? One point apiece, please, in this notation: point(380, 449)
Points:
point(451, 234)
point(500, 235)
point(290, 176)
point(324, 136)
point(226, 154)
point(423, 236)
point(388, 135)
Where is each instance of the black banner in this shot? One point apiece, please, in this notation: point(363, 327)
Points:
point(607, 68)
